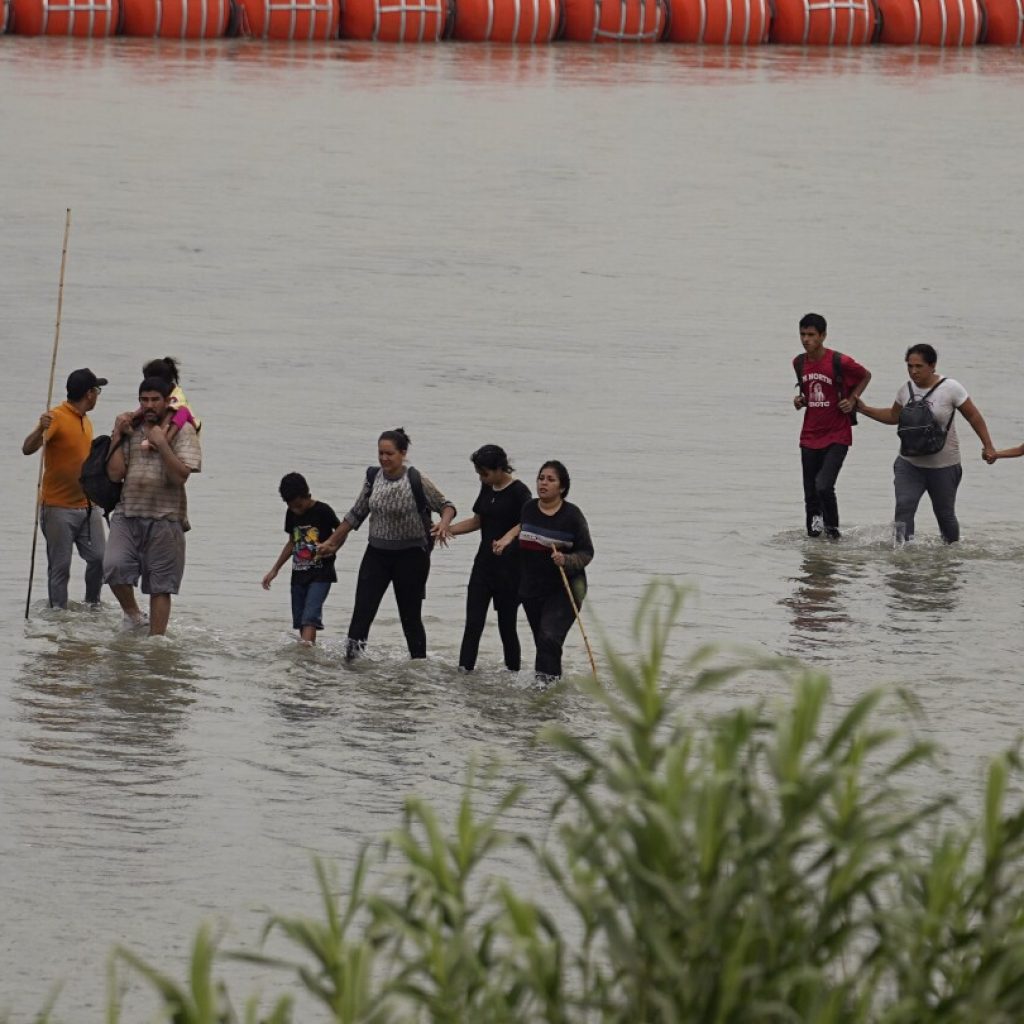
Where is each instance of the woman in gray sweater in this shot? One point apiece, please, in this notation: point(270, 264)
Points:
point(398, 501)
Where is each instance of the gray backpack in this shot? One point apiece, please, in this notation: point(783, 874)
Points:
point(920, 432)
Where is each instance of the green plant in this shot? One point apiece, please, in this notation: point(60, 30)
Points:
point(770, 863)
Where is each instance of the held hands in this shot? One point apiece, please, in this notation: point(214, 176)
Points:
point(499, 545)
point(848, 405)
point(269, 578)
point(441, 533)
point(990, 455)
point(328, 547)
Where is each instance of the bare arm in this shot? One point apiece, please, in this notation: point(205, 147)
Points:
point(34, 441)
point(336, 539)
point(176, 469)
point(470, 525)
point(1005, 453)
point(286, 553)
point(973, 416)
point(889, 416)
point(503, 542)
point(116, 464)
point(849, 403)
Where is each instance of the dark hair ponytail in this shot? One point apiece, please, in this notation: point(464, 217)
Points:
point(491, 456)
point(398, 437)
point(166, 368)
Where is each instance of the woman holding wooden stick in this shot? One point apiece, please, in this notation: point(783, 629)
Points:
point(554, 550)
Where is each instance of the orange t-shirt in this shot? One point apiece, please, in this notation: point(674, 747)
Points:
point(68, 442)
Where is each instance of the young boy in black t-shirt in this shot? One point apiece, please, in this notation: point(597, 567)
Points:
point(307, 523)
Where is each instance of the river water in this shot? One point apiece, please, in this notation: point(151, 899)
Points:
point(595, 254)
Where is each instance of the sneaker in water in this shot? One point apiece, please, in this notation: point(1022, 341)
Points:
point(832, 533)
point(127, 622)
point(817, 527)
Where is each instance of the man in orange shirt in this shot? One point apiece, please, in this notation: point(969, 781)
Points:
point(66, 518)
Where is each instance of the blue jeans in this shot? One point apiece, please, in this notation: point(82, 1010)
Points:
point(308, 604)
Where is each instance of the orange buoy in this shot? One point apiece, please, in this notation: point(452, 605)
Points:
point(176, 19)
point(1004, 23)
point(824, 22)
point(930, 22)
point(64, 17)
point(289, 19)
point(397, 21)
point(615, 21)
point(507, 21)
point(719, 22)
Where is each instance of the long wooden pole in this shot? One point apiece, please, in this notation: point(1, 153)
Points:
point(579, 620)
point(49, 401)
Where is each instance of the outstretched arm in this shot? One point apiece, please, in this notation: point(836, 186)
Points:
point(973, 416)
point(1004, 453)
point(470, 525)
point(889, 416)
point(336, 539)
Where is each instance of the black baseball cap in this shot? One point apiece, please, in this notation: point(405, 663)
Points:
point(81, 381)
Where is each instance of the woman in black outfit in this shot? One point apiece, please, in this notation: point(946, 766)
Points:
point(495, 576)
point(553, 537)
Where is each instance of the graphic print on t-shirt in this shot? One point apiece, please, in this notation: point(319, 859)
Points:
point(305, 539)
point(816, 396)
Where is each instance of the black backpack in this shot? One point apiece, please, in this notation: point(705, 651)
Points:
point(837, 378)
point(920, 432)
point(416, 483)
point(97, 486)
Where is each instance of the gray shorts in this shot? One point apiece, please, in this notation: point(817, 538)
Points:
point(153, 549)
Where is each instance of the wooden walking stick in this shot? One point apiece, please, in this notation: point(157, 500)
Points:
point(49, 399)
point(579, 621)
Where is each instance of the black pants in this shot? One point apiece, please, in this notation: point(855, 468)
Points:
point(550, 617)
point(479, 594)
point(407, 572)
point(821, 470)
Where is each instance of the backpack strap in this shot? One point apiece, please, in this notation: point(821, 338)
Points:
point(837, 374)
point(926, 395)
point(798, 365)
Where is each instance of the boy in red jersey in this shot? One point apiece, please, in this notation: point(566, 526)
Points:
point(829, 385)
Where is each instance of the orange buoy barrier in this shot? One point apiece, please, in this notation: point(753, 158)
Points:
point(930, 22)
point(1004, 22)
point(506, 21)
point(824, 22)
point(397, 21)
point(719, 22)
point(615, 21)
point(64, 17)
point(176, 19)
point(289, 19)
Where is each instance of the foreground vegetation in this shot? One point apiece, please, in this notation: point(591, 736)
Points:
point(769, 864)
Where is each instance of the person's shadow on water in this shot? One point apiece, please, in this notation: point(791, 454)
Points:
point(106, 704)
point(816, 602)
point(923, 579)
